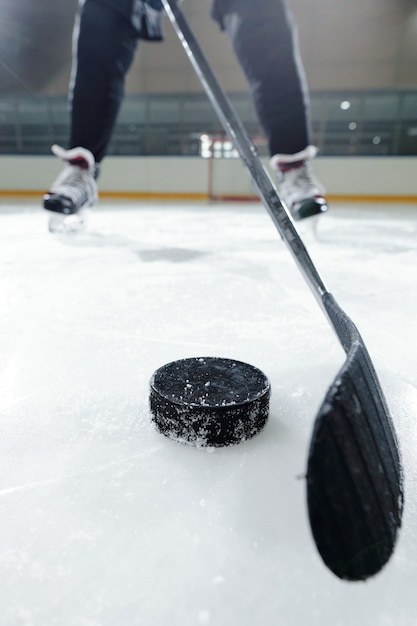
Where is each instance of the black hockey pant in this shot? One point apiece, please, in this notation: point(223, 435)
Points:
point(263, 36)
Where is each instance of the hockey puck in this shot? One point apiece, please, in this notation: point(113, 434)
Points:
point(209, 401)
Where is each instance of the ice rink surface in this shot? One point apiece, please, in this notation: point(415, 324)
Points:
point(105, 522)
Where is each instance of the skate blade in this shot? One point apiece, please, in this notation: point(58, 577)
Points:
point(61, 224)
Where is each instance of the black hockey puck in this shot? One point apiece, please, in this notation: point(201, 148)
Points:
point(209, 401)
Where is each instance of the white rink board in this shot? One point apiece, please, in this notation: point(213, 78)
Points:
point(377, 176)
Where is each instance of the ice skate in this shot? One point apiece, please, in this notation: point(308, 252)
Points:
point(73, 192)
point(300, 191)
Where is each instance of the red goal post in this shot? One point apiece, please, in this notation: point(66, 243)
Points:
point(228, 179)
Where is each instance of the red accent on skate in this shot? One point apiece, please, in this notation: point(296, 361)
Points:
point(79, 162)
point(286, 167)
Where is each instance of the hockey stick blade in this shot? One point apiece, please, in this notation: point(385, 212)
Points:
point(354, 471)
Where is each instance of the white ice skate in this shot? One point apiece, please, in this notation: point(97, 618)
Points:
point(73, 192)
point(301, 192)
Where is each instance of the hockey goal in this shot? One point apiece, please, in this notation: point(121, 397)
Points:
point(228, 178)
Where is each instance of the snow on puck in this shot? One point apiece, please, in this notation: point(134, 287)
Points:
point(209, 401)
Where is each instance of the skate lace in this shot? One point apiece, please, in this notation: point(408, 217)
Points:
point(74, 182)
point(299, 183)
point(303, 179)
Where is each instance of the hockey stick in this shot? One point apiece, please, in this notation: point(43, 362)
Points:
point(354, 472)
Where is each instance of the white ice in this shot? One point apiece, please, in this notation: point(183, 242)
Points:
point(105, 522)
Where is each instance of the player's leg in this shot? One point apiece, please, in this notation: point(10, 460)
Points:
point(104, 45)
point(264, 37)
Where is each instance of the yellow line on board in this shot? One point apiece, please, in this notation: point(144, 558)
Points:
point(332, 197)
point(22, 193)
point(121, 195)
point(157, 195)
point(341, 197)
point(154, 195)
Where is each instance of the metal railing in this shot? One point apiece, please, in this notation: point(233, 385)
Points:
point(356, 123)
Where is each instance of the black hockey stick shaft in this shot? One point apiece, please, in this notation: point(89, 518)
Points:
point(354, 475)
point(246, 149)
